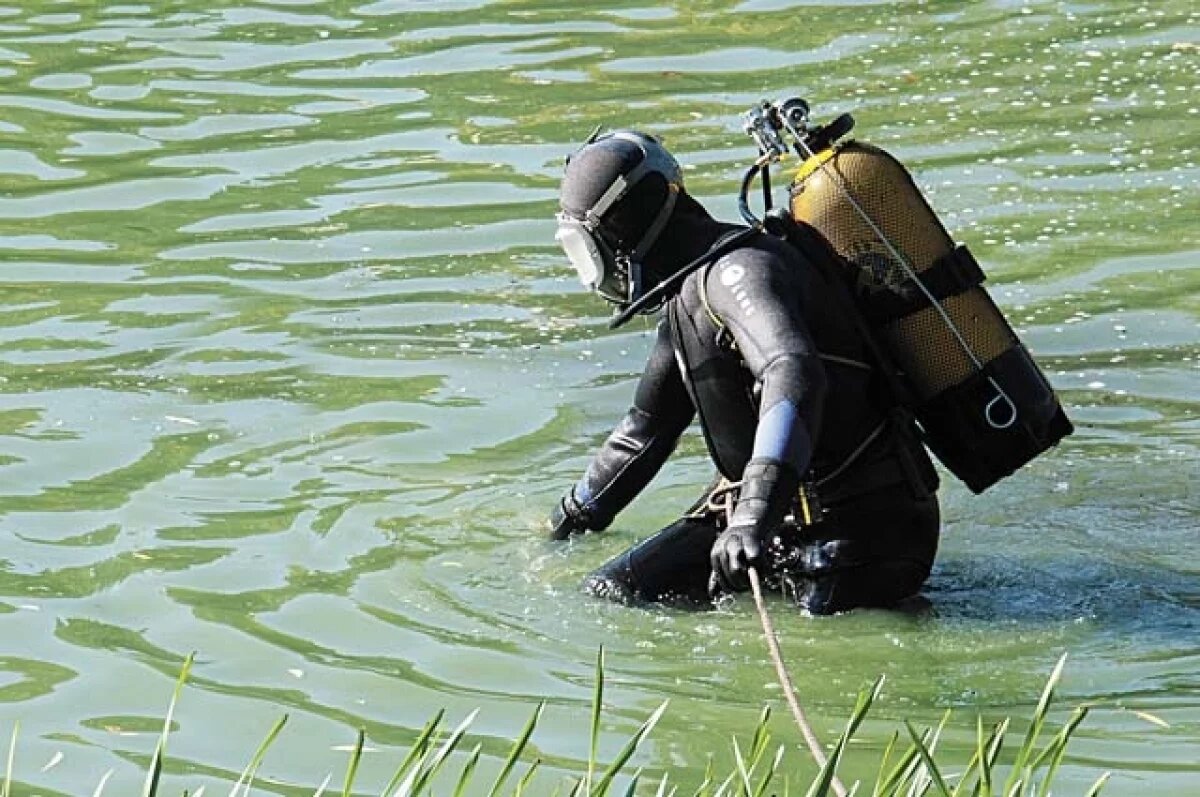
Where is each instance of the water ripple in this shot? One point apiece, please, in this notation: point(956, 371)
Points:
point(290, 373)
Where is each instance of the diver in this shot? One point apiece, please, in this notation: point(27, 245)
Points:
point(822, 483)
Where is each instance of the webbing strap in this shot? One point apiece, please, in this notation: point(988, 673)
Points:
point(952, 273)
point(855, 454)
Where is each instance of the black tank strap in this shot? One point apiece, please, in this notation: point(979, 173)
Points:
point(854, 455)
point(951, 274)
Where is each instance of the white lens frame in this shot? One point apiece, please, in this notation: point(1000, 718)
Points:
point(579, 243)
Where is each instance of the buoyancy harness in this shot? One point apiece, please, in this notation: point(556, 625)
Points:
point(984, 406)
point(884, 452)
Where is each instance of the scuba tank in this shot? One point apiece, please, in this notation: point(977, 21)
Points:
point(985, 407)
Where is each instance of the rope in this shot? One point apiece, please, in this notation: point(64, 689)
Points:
point(785, 680)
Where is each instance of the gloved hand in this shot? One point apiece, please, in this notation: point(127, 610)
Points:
point(735, 551)
point(567, 518)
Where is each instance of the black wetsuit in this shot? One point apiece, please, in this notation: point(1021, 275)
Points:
point(788, 402)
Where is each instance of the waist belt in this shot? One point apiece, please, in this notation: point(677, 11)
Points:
point(807, 507)
point(851, 479)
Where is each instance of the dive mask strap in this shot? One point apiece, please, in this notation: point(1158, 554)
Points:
point(633, 264)
point(618, 189)
point(656, 227)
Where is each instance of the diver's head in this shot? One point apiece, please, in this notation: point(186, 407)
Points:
point(617, 195)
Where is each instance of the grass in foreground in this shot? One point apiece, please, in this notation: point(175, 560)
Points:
point(908, 768)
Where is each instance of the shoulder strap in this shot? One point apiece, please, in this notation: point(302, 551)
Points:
point(724, 336)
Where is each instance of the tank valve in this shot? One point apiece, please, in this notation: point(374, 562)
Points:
point(794, 114)
point(762, 124)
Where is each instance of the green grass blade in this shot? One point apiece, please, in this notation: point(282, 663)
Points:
point(756, 759)
point(770, 773)
point(468, 771)
point(6, 791)
point(762, 737)
point(820, 787)
point(921, 782)
point(103, 782)
point(988, 765)
point(702, 789)
point(247, 776)
point(447, 748)
point(936, 737)
point(597, 701)
point(407, 787)
point(355, 758)
point(1035, 727)
point(626, 752)
point(919, 779)
point(888, 749)
point(150, 787)
point(416, 753)
point(527, 777)
point(1057, 749)
point(631, 789)
point(741, 767)
point(901, 773)
point(984, 781)
point(1099, 784)
point(324, 785)
point(927, 758)
point(973, 764)
point(1057, 745)
point(517, 748)
point(724, 785)
point(937, 733)
point(662, 786)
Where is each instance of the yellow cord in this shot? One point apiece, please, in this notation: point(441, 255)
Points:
point(804, 506)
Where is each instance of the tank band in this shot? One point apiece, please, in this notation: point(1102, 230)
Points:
point(952, 273)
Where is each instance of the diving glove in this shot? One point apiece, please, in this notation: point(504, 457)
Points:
point(735, 551)
point(567, 518)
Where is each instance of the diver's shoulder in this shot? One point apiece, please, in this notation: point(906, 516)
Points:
point(763, 253)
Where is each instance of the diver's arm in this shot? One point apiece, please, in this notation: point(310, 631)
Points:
point(635, 450)
point(757, 301)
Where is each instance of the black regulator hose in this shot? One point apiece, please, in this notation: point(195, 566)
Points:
point(766, 189)
point(659, 291)
point(744, 194)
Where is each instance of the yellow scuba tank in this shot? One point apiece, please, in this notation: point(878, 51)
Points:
point(984, 405)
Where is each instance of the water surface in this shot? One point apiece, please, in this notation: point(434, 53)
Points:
point(291, 372)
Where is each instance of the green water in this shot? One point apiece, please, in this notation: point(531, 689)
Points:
point(291, 371)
